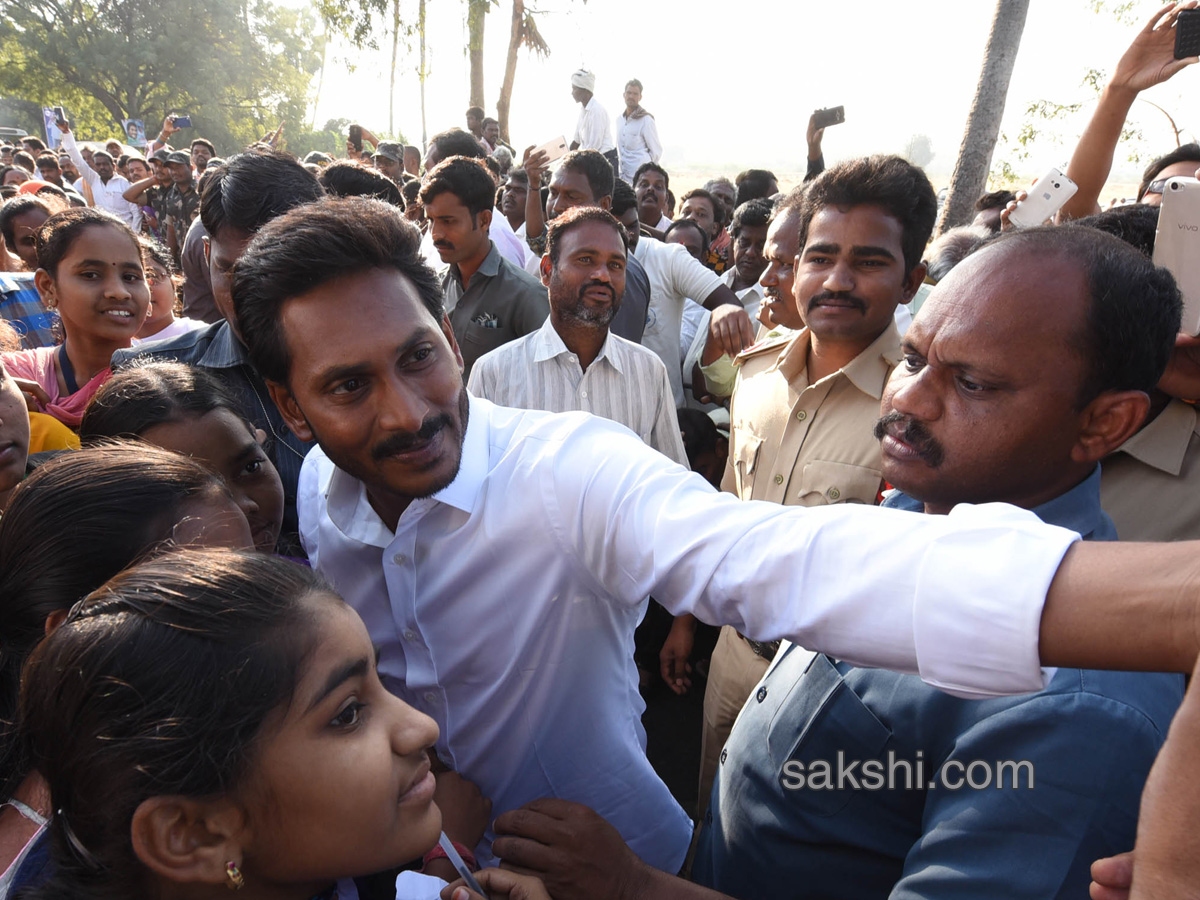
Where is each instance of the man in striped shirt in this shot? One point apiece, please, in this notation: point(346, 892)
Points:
point(573, 362)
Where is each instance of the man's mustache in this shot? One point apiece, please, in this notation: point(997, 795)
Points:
point(406, 441)
point(915, 435)
point(827, 296)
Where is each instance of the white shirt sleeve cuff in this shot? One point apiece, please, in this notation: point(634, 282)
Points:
point(971, 639)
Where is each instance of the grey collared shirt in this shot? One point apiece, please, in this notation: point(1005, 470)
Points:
point(500, 303)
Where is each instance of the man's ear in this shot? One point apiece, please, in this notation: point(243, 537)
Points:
point(1108, 422)
point(290, 410)
point(606, 203)
point(448, 332)
point(207, 250)
point(913, 281)
point(485, 219)
point(188, 841)
point(545, 267)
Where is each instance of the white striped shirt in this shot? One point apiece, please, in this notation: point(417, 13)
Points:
point(626, 383)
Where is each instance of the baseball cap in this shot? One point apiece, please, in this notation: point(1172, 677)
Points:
point(178, 157)
point(390, 149)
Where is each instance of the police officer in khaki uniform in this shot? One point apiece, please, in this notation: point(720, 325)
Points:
point(804, 408)
point(1151, 486)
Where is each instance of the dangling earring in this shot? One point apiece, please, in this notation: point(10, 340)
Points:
point(235, 877)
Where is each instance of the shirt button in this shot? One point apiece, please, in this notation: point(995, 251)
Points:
point(779, 479)
point(724, 754)
point(761, 695)
point(801, 416)
point(583, 394)
point(399, 559)
point(431, 697)
point(834, 494)
point(410, 635)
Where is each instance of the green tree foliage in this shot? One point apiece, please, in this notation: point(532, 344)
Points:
point(238, 67)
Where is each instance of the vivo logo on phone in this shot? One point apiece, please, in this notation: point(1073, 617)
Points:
point(1185, 227)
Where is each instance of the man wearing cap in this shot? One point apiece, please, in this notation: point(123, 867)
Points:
point(389, 159)
point(150, 194)
point(592, 131)
point(182, 203)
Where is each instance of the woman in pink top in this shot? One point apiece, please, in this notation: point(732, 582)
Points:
point(90, 269)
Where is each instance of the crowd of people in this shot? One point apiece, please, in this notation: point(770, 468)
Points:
point(334, 492)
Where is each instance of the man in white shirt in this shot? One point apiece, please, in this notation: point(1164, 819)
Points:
point(592, 131)
point(573, 362)
point(637, 133)
point(106, 185)
point(501, 558)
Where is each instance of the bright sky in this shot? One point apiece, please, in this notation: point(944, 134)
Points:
point(732, 84)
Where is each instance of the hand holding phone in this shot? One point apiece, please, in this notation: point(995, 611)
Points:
point(182, 121)
point(1044, 199)
point(60, 119)
point(356, 137)
point(552, 149)
point(823, 118)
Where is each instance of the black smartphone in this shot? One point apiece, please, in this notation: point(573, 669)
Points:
point(60, 117)
point(823, 118)
point(182, 121)
point(356, 137)
point(1187, 34)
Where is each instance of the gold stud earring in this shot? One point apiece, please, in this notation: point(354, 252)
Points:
point(234, 876)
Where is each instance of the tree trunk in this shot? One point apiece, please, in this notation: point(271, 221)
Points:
point(422, 73)
point(983, 123)
point(504, 104)
point(392, 74)
point(476, 13)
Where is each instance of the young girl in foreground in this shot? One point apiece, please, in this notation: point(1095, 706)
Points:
point(90, 270)
point(213, 720)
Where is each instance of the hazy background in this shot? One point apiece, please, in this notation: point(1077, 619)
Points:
point(731, 85)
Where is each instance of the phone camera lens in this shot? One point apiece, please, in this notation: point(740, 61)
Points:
point(1174, 185)
point(1056, 184)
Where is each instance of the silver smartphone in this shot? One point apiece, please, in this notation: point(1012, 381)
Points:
point(1177, 244)
point(1044, 199)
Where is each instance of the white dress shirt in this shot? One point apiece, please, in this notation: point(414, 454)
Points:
point(107, 196)
point(592, 131)
point(504, 606)
point(675, 275)
point(625, 383)
point(637, 143)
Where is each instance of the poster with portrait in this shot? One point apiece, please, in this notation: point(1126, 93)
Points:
point(53, 135)
point(135, 133)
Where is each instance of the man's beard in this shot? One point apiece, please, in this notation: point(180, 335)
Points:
point(401, 442)
point(585, 315)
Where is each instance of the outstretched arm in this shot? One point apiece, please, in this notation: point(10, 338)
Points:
point(1150, 60)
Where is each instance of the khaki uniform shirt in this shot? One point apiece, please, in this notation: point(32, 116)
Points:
point(804, 444)
point(1151, 486)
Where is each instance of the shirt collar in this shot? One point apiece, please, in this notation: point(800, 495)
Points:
point(1163, 442)
point(350, 509)
point(489, 267)
point(225, 351)
point(548, 344)
point(1077, 509)
point(463, 492)
point(868, 371)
